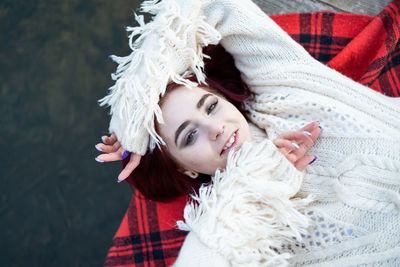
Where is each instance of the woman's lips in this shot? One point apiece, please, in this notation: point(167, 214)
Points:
point(236, 135)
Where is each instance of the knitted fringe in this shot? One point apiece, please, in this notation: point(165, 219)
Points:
point(251, 208)
point(169, 48)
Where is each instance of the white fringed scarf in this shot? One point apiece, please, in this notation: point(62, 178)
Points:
point(169, 48)
point(250, 208)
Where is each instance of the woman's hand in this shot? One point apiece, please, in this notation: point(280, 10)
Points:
point(113, 151)
point(294, 145)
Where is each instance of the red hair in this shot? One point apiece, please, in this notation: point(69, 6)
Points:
point(157, 176)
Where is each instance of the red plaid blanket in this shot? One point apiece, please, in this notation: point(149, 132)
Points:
point(365, 48)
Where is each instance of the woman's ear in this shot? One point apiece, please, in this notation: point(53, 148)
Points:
point(191, 174)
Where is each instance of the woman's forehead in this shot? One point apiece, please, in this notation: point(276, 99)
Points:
point(182, 96)
point(181, 100)
point(179, 106)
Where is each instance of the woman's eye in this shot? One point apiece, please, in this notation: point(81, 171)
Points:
point(212, 107)
point(190, 137)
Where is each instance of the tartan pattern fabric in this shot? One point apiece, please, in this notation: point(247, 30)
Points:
point(323, 34)
point(147, 235)
point(364, 48)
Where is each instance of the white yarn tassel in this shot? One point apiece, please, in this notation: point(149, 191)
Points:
point(168, 48)
point(250, 208)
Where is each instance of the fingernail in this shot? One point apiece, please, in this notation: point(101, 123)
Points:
point(119, 181)
point(295, 145)
point(98, 148)
point(126, 153)
point(103, 139)
point(312, 161)
point(96, 159)
point(307, 133)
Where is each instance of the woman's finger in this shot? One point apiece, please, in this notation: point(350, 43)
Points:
point(292, 158)
point(107, 157)
point(302, 163)
point(109, 140)
point(286, 147)
point(312, 128)
point(305, 142)
point(132, 164)
point(300, 140)
point(289, 145)
point(106, 148)
point(294, 135)
point(112, 139)
point(116, 146)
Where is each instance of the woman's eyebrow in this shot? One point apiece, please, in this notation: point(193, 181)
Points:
point(202, 100)
point(186, 123)
point(180, 129)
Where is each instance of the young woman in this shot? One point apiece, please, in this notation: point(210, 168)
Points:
point(259, 210)
point(200, 127)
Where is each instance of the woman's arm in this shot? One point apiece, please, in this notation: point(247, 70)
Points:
point(271, 62)
point(256, 42)
point(169, 48)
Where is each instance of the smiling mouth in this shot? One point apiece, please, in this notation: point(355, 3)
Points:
point(232, 141)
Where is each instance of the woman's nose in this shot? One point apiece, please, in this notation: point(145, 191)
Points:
point(215, 130)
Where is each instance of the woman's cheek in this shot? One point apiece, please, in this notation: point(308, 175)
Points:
point(201, 162)
point(193, 159)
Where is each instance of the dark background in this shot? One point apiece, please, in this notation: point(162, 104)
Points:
point(59, 207)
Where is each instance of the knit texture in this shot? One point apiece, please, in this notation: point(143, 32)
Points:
point(147, 234)
point(250, 209)
point(355, 182)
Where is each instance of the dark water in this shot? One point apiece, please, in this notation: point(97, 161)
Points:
point(58, 206)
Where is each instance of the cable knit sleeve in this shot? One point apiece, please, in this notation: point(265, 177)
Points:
point(257, 43)
point(252, 204)
point(273, 65)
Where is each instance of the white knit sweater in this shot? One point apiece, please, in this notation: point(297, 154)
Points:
point(258, 212)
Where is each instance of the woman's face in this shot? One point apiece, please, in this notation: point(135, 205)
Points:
point(201, 128)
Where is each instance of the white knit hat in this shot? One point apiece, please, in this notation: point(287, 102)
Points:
point(169, 48)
